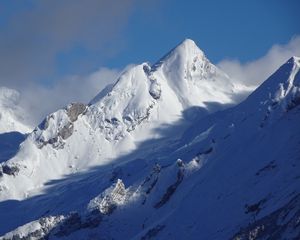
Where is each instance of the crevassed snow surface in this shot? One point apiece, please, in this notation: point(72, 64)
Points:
point(158, 157)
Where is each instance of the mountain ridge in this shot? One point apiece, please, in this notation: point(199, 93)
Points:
point(169, 178)
point(137, 104)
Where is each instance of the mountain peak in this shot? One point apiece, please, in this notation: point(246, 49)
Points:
point(280, 89)
point(188, 44)
point(185, 51)
point(187, 48)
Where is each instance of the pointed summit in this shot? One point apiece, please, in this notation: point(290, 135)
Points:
point(280, 89)
point(286, 75)
point(192, 76)
point(184, 51)
point(188, 46)
point(188, 41)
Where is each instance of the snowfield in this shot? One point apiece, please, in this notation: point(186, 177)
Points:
point(173, 150)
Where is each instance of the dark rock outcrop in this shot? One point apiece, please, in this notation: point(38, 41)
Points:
point(46, 226)
point(66, 131)
point(70, 224)
point(155, 89)
point(74, 110)
point(110, 201)
point(172, 188)
point(10, 169)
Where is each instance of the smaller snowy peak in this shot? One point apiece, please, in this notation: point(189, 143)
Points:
point(279, 94)
point(282, 87)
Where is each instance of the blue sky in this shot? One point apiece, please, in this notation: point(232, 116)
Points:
point(69, 50)
point(242, 30)
point(237, 29)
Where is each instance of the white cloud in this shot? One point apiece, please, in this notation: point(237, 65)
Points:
point(39, 100)
point(255, 72)
point(33, 39)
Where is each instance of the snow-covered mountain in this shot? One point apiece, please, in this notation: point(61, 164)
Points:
point(143, 100)
point(163, 154)
point(12, 116)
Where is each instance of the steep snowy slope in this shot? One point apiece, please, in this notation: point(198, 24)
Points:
point(12, 117)
point(182, 85)
point(233, 174)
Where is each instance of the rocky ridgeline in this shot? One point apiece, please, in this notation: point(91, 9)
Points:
point(58, 126)
point(104, 205)
point(108, 201)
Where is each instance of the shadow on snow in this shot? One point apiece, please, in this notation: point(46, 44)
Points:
point(74, 191)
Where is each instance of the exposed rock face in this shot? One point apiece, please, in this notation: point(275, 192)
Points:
point(66, 131)
point(74, 222)
point(69, 225)
point(55, 226)
point(9, 170)
point(41, 230)
point(58, 126)
point(74, 110)
point(155, 90)
point(107, 202)
point(110, 201)
point(131, 125)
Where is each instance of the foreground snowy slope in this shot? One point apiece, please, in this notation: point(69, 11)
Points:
point(232, 174)
point(143, 99)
